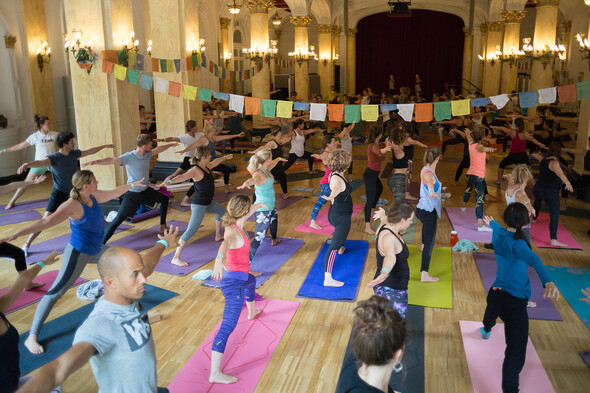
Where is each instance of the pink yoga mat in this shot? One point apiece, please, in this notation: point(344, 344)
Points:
point(465, 223)
point(485, 357)
point(34, 295)
point(540, 234)
point(322, 220)
point(247, 353)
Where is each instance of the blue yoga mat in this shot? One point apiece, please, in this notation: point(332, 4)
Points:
point(411, 379)
point(57, 336)
point(348, 267)
point(570, 281)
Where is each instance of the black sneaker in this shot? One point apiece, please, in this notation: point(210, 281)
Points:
point(489, 246)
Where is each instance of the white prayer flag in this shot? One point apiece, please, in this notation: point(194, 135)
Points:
point(548, 96)
point(236, 103)
point(161, 85)
point(500, 100)
point(317, 112)
point(405, 111)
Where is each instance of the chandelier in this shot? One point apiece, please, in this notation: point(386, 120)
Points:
point(234, 8)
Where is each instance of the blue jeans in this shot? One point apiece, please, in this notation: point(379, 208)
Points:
point(479, 184)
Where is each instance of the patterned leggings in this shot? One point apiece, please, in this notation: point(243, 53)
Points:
point(398, 299)
point(264, 221)
point(325, 191)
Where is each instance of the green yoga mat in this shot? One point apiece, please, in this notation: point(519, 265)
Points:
point(438, 294)
point(408, 236)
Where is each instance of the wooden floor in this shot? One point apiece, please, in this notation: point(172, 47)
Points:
point(309, 356)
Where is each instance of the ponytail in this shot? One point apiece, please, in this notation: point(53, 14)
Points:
point(516, 216)
point(40, 120)
point(258, 159)
point(237, 207)
point(79, 180)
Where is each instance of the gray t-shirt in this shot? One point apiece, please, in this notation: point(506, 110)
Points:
point(137, 167)
point(125, 361)
point(63, 168)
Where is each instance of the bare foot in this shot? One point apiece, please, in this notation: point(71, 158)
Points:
point(255, 274)
point(222, 378)
point(421, 247)
point(531, 304)
point(330, 282)
point(556, 243)
point(369, 231)
point(179, 262)
point(34, 285)
point(218, 239)
point(33, 345)
point(185, 202)
point(315, 226)
point(409, 197)
point(256, 313)
point(428, 278)
point(9, 206)
point(274, 242)
point(286, 196)
point(342, 250)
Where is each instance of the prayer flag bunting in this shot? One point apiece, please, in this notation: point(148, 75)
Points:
point(387, 107)
point(170, 65)
point(218, 95)
point(424, 112)
point(132, 76)
point(527, 99)
point(132, 58)
point(189, 92)
point(110, 55)
point(480, 101)
point(583, 90)
point(188, 63)
point(268, 108)
point(370, 112)
point(284, 109)
point(460, 107)
point(205, 95)
point(155, 65)
point(252, 106)
point(177, 65)
point(317, 112)
point(236, 103)
point(335, 112)
point(300, 106)
point(161, 85)
point(120, 72)
point(567, 93)
point(146, 82)
point(121, 55)
point(499, 101)
point(107, 66)
point(406, 111)
point(352, 113)
point(140, 65)
point(548, 96)
point(442, 110)
point(163, 68)
point(174, 89)
point(183, 67)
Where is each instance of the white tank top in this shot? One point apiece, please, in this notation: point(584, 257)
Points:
point(347, 144)
point(510, 199)
point(297, 145)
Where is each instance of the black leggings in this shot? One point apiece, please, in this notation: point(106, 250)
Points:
point(11, 251)
point(551, 198)
point(293, 157)
point(373, 189)
point(429, 221)
point(279, 174)
point(454, 141)
point(341, 224)
point(350, 167)
point(462, 165)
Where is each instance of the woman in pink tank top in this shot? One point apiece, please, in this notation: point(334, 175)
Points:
point(328, 144)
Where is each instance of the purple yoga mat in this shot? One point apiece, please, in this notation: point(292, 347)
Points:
point(176, 206)
point(486, 263)
point(196, 254)
point(144, 216)
point(586, 357)
point(465, 223)
point(220, 197)
point(39, 251)
point(280, 203)
point(143, 240)
point(15, 218)
point(21, 206)
point(268, 259)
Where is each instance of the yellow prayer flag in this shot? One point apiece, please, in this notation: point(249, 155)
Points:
point(120, 72)
point(460, 107)
point(285, 109)
point(132, 58)
point(170, 65)
point(369, 112)
point(189, 92)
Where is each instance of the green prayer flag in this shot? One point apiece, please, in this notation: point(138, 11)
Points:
point(583, 90)
point(268, 108)
point(204, 95)
point(352, 113)
point(121, 56)
point(163, 65)
point(132, 76)
point(442, 110)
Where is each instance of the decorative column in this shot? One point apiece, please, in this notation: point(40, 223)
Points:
point(336, 30)
point(301, 24)
point(584, 121)
point(276, 68)
point(511, 45)
point(40, 82)
point(259, 39)
point(325, 67)
point(351, 60)
point(225, 51)
point(467, 59)
point(567, 36)
point(492, 69)
point(193, 110)
point(484, 46)
point(545, 34)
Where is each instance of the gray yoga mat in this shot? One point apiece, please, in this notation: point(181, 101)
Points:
point(15, 218)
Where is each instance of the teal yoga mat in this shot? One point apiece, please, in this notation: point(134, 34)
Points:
point(570, 281)
point(57, 336)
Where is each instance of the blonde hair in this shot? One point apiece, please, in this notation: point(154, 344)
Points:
point(258, 159)
point(200, 152)
point(432, 152)
point(237, 207)
point(521, 174)
point(208, 127)
point(338, 160)
point(79, 180)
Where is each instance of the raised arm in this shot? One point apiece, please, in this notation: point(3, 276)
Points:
point(103, 196)
point(17, 147)
point(152, 256)
point(162, 148)
point(94, 150)
point(169, 138)
point(103, 161)
point(33, 164)
point(201, 142)
point(20, 184)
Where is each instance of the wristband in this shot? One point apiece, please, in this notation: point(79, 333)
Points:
point(41, 264)
point(164, 242)
point(220, 255)
point(4, 150)
point(527, 202)
point(170, 181)
point(386, 269)
point(94, 162)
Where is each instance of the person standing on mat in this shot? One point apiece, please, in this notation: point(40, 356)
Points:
point(202, 201)
point(63, 164)
point(373, 185)
point(44, 142)
point(508, 296)
point(477, 172)
point(403, 150)
point(346, 143)
point(87, 225)
point(547, 189)
point(340, 213)
point(428, 210)
point(328, 145)
point(116, 338)
point(11, 251)
point(10, 377)
point(515, 192)
point(298, 145)
point(237, 284)
point(137, 165)
point(393, 273)
point(377, 343)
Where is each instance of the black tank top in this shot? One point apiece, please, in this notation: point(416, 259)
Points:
point(401, 162)
point(587, 161)
point(343, 201)
point(204, 189)
point(9, 362)
point(277, 151)
point(548, 178)
point(400, 274)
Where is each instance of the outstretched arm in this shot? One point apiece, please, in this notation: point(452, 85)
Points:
point(162, 148)
point(414, 142)
point(201, 142)
point(529, 138)
point(17, 147)
point(19, 184)
point(33, 164)
point(104, 161)
point(219, 160)
point(95, 150)
point(103, 196)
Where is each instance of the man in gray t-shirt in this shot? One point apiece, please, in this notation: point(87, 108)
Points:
point(137, 165)
point(116, 337)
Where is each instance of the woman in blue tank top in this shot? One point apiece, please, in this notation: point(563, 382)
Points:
point(87, 225)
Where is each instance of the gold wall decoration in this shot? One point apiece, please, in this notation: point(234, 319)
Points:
point(9, 41)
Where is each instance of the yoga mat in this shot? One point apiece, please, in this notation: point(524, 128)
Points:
point(570, 211)
point(586, 357)
point(486, 263)
point(485, 357)
point(431, 294)
point(143, 240)
point(21, 206)
point(144, 216)
point(176, 206)
point(57, 335)
point(298, 176)
point(570, 281)
point(465, 223)
point(322, 220)
point(34, 295)
point(411, 379)
point(540, 234)
point(280, 203)
point(348, 267)
point(304, 189)
point(39, 251)
point(15, 218)
point(355, 184)
point(221, 197)
point(248, 351)
point(196, 254)
point(268, 259)
point(409, 235)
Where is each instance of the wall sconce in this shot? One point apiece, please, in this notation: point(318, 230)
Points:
point(492, 59)
point(512, 56)
point(9, 41)
point(584, 47)
point(336, 57)
point(82, 53)
point(300, 56)
point(43, 55)
point(149, 48)
point(546, 55)
point(325, 61)
point(201, 48)
point(276, 19)
point(227, 58)
point(130, 47)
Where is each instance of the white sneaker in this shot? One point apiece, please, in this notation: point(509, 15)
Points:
point(484, 229)
point(112, 215)
point(26, 251)
point(463, 209)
